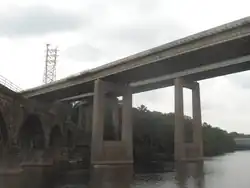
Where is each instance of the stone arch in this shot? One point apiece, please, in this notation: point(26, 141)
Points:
point(4, 136)
point(31, 133)
point(55, 138)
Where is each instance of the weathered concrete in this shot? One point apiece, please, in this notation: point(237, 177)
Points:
point(116, 118)
point(111, 152)
point(81, 117)
point(179, 120)
point(27, 128)
point(197, 122)
point(194, 150)
point(215, 52)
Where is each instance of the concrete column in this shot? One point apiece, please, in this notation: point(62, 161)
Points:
point(197, 122)
point(98, 121)
point(127, 129)
point(179, 120)
point(111, 152)
point(115, 117)
point(81, 115)
point(88, 110)
point(89, 114)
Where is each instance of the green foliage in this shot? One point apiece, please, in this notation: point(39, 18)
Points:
point(153, 133)
point(154, 136)
point(239, 135)
point(216, 141)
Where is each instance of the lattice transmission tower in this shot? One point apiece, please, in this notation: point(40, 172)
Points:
point(50, 64)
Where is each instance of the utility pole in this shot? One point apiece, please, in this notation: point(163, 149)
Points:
point(50, 64)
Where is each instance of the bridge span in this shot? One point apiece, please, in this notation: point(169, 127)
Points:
point(215, 52)
point(218, 51)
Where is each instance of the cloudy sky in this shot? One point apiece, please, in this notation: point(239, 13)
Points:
point(90, 33)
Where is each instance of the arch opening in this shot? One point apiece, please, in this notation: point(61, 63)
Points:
point(3, 132)
point(31, 134)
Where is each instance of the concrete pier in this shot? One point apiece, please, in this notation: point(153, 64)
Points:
point(179, 120)
point(197, 122)
point(187, 151)
point(118, 151)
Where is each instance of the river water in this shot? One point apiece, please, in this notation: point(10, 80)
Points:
point(227, 171)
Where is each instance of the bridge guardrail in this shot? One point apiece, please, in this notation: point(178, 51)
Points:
point(7, 83)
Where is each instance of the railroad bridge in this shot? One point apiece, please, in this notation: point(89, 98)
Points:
point(27, 124)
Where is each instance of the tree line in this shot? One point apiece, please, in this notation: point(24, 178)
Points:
point(154, 136)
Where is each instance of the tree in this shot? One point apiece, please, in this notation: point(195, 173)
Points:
point(154, 136)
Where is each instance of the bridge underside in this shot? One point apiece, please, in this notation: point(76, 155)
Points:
point(216, 52)
point(217, 60)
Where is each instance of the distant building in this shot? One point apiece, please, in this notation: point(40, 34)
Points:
point(242, 143)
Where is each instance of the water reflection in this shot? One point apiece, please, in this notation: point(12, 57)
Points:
point(186, 175)
point(190, 174)
point(217, 172)
point(111, 176)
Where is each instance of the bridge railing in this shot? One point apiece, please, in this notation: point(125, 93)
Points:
point(7, 83)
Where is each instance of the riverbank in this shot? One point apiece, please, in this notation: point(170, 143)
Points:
point(154, 136)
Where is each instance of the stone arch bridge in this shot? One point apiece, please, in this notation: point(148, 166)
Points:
point(32, 132)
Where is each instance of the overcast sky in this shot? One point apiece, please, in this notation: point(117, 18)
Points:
point(90, 33)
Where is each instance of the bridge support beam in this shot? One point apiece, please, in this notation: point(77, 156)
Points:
point(187, 151)
point(118, 151)
point(89, 112)
point(81, 117)
point(114, 102)
point(85, 123)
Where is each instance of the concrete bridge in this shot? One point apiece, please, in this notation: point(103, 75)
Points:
point(242, 143)
point(219, 51)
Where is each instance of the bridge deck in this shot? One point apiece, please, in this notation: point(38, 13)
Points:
point(215, 52)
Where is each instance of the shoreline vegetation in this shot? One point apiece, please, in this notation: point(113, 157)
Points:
point(154, 138)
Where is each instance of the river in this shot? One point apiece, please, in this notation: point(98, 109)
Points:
point(229, 171)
